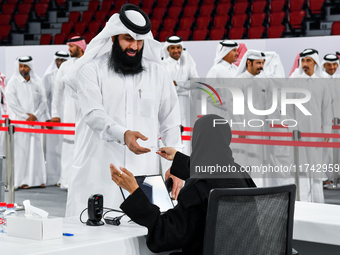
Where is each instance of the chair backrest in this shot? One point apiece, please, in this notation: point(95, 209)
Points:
point(250, 221)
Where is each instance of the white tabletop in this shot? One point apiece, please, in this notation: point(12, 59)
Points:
point(318, 223)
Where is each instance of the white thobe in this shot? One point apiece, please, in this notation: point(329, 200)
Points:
point(53, 142)
point(221, 73)
point(182, 73)
point(319, 121)
point(27, 97)
point(65, 107)
point(111, 104)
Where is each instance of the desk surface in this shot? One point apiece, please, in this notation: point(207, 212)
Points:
point(128, 238)
point(319, 223)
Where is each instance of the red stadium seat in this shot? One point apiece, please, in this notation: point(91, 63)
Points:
point(206, 9)
point(315, 6)
point(189, 11)
point(5, 32)
point(296, 5)
point(296, 18)
point(220, 21)
point(257, 19)
point(238, 20)
point(203, 22)
point(21, 20)
point(223, 9)
point(44, 1)
point(163, 3)
point(61, 2)
point(80, 27)
point(12, 1)
point(5, 19)
point(335, 28)
point(106, 5)
point(174, 11)
point(165, 34)
point(88, 37)
point(93, 5)
point(186, 22)
point(28, 1)
point(24, 8)
point(184, 33)
point(94, 27)
point(224, 1)
point(200, 34)
point(154, 33)
point(240, 7)
point(66, 28)
point(158, 12)
point(87, 16)
point(101, 16)
point(74, 17)
point(208, 1)
point(236, 33)
point(276, 31)
point(148, 3)
point(8, 8)
point(178, 3)
point(277, 5)
point(134, 2)
point(276, 18)
point(169, 23)
point(41, 9)
point(259, 6)
point(59, 39)
point(193, 2)
point(147, 10)
point(155, 24)
point(119, 4)
point(46, 39)
point(256, 32)
point(217, 33)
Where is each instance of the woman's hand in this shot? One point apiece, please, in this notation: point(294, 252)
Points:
point(167, 153)
point(124, 179)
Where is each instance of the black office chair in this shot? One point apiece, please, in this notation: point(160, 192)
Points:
point(250, 221)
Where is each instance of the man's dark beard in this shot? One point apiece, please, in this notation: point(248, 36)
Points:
point(122, 63)
point(24, 74)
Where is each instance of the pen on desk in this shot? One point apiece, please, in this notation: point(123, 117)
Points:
point(67, 234)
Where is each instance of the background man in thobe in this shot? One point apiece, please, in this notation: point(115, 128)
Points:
point(65, 108)
point(320, 121)
point(53, 142)
point(182, 69)
point(3, 111)
point(27, 101)
point(123, 86)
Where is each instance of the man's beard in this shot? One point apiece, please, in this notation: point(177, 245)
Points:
point(122, 63)
point(24, 74)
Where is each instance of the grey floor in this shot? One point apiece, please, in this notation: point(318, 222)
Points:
point(53, 199)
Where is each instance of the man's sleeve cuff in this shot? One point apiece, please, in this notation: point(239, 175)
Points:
point(118, 132)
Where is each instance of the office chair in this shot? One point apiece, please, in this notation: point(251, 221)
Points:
point(250, 221)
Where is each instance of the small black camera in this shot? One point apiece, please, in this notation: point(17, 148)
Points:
point(95, 210)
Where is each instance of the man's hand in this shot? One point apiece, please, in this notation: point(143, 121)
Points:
point(326, 139)
point(48, 127)
point(177, 184)
point(123, 178)
point(167, 153)
point(175, 83)
point(242, 136)
point(55, 119)
point(31, 117)
point(130, 139)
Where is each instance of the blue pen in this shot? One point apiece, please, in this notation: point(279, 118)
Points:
point(67, 234)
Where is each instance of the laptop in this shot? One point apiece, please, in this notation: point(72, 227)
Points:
point(154, 188)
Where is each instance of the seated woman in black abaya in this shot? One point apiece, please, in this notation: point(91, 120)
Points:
point(183, 227)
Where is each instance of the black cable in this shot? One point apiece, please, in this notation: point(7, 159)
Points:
point(113, 210)
point(81, 215)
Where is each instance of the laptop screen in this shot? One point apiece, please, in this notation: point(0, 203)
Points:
point(154, 188)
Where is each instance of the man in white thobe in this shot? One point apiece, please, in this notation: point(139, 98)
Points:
point(330, 65)
point(319, 121)
point(182, 69)
point(53, 142)
point(65, 108)
point(27, 101)
point(123, 86)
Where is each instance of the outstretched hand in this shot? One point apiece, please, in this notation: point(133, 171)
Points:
point(123, 178)
point(130, 139)
point(167, 153)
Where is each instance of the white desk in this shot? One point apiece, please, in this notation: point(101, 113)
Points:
point(128, 238)
point(318, 223)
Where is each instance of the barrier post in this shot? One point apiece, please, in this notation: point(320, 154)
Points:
point(296, 137)
point(335, 156)
point(7, 123)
